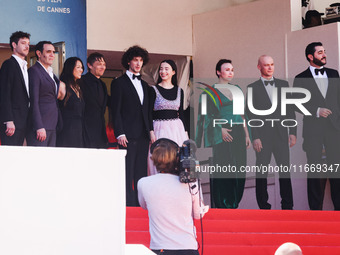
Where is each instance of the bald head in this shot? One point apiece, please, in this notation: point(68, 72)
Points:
point(266, 66)
point(262, 58)
point(288, 249)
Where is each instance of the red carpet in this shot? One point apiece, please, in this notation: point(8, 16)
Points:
point(253, 232)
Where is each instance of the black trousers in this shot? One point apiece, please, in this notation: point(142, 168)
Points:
point(135, 167)
point(17, 139)
point(279, 147)
point(329, 139)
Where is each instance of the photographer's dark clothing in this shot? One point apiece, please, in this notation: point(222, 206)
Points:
point(171, 208)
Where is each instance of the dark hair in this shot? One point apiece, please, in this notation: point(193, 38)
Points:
point(164, 155)
point(93, 57)
point(309, 16)
point(134, 51)
point(67, 76)
point(40, 47)
point(174, 68)
point(310, 49)
point(16, 36)
point(219, 65)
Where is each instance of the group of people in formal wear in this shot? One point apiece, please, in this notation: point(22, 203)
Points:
point(68, 111)
point(321, 131)
point(38, 107)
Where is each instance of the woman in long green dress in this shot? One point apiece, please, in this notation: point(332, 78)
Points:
point(228, 141)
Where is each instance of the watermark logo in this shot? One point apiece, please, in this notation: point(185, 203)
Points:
point(204, 96)
point(238, 99)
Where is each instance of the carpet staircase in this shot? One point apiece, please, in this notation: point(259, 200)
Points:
point(252, 232)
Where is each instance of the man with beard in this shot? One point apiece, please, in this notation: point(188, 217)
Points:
point(321, 129)
point(14, 91)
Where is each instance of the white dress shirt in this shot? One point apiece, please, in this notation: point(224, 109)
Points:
point(269, 88)
point(49, 70)
point(138, 85)
point(322, 82)
point(23, 67)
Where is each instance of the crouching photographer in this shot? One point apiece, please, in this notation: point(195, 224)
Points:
point(171, 203)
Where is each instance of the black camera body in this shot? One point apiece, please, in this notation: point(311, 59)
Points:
point(186, 159)
point(187, 162)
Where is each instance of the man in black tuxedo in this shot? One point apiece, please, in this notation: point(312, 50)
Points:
point(95, 97)
point(14, 92)
point(130, 115)
point(321, 129)
point(44, 92)
point(272, 137)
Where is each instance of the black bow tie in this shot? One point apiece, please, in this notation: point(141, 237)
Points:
point(139, 77)
point(269, 82)
point(317, 71)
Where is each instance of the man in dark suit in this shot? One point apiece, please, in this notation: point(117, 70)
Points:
point(14, 92)
point(272, 137)
point(130, 109)
point(95, 98)
point(44, 88)
point(321, 129)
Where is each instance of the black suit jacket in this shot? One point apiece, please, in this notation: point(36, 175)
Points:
point(43, 93)
point(129, 116)
point(14, 100)
point(94, 114)
point(261, 101)
point(311, 124)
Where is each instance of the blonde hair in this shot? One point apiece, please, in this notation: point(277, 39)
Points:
point(164, 156)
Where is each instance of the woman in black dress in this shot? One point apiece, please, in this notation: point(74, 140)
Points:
point(72, 106)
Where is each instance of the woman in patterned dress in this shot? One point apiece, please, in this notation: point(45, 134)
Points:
point(166, 104)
